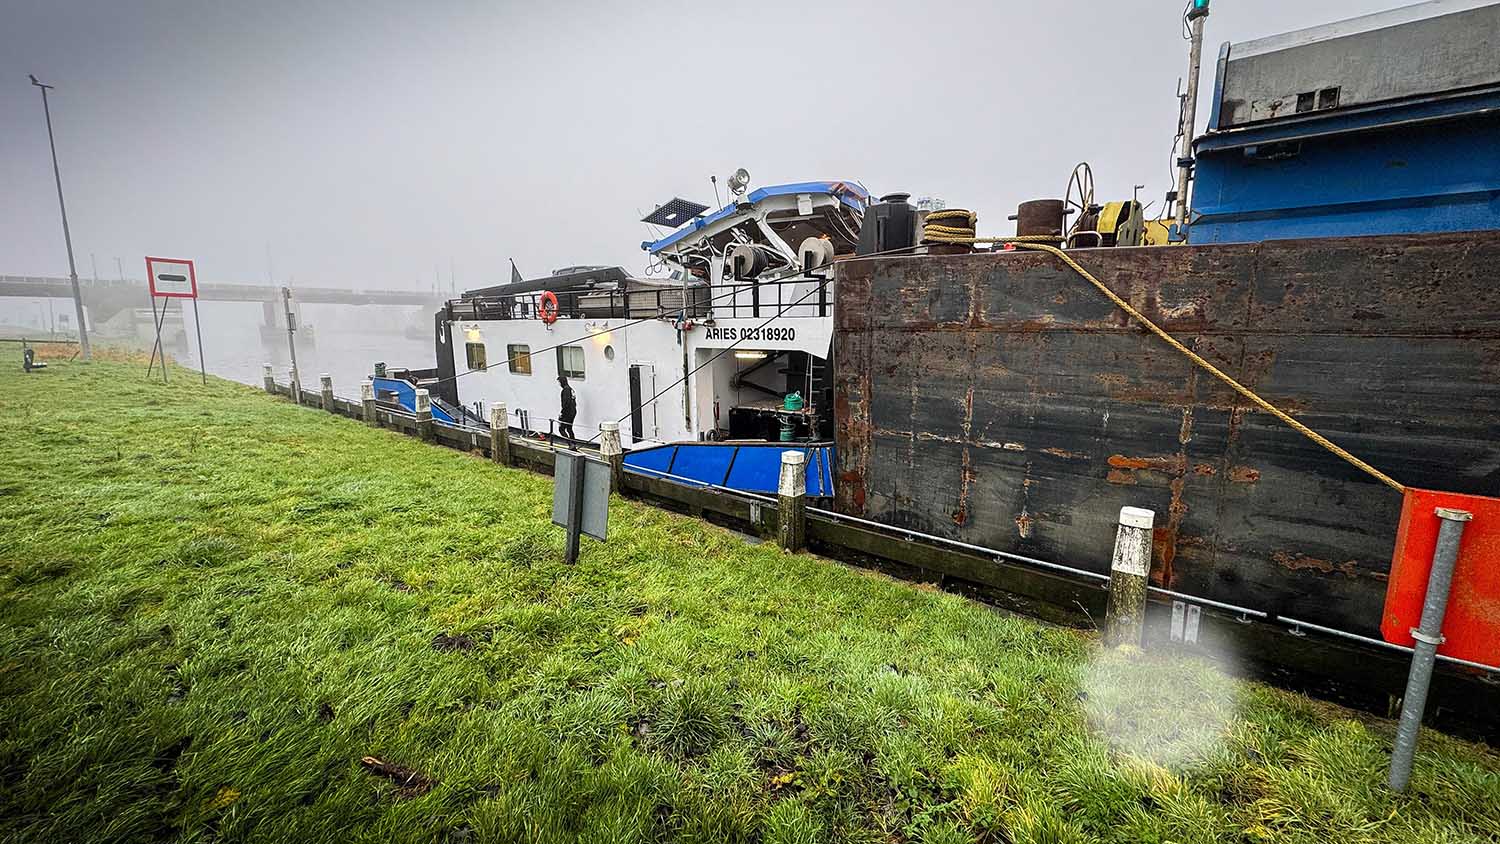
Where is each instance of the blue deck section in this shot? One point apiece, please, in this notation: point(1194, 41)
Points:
point(1408, 168)
point(406, 396)
point(747, 467)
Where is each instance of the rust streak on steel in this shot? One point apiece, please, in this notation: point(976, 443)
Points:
point(1076, 411)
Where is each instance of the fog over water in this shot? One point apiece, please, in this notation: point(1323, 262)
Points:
point(344, 341)
point(382, 143)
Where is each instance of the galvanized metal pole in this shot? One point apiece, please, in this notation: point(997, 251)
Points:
point(291, 341)
point(156, 327)
point(791, 501)
point(1190, 114)
point(83, 330)
point(198, 327)
point(1429, 634)
point(575, 469)
point(1125, 612)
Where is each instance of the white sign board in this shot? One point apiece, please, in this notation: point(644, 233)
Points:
point(172, 277)
point(798, 334)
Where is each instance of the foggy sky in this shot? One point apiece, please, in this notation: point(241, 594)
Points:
point(373, 143)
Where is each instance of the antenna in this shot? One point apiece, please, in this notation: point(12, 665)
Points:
point(715, 180)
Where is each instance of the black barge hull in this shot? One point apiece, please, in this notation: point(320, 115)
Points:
point(1000, 400)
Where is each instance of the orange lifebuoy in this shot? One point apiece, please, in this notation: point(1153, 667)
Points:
point(547, 307)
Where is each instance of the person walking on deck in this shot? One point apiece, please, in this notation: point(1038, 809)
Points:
point(569, 410)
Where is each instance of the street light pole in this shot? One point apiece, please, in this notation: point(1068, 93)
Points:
point(83, 331)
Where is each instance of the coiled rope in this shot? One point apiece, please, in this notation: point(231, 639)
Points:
point(956, 225)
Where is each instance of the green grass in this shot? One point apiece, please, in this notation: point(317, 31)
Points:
point(214, 604)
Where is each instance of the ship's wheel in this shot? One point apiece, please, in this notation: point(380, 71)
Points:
point(1079, 198)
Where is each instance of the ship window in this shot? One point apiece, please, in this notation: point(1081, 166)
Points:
point(570, 361)
point(520, 358)
point(476, 356)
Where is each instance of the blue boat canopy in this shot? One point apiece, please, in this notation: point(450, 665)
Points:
point(850, 193)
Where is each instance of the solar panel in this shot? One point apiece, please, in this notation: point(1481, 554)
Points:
point(674, 213)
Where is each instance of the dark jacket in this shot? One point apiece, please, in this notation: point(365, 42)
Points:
point(569, 406)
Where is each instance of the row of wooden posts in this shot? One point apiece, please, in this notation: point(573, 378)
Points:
point(1356, 674)
point(1125, 608)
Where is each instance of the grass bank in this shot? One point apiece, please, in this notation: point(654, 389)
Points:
point(225, 618)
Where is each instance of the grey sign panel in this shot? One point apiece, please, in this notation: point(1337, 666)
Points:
point(594, 509)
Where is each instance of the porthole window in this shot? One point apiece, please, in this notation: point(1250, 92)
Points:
point(609, 352)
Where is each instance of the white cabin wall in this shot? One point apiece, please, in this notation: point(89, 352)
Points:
point(656, 344)
point(603, 394)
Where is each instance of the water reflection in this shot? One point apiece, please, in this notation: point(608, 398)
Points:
point(344, 341)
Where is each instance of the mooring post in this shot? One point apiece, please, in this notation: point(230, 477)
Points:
point(613, 454)
point(325, 386)
point(1429, 634)
point(791, 501)
point(500, 434)
point(1125, 611)
point(293, 388)
point(269, 378)
point(367, 400)
point(424, 415)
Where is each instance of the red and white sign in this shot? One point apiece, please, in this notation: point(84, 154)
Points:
point(172, 277)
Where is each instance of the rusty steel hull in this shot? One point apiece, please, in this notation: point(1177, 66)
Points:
point(1000, 400)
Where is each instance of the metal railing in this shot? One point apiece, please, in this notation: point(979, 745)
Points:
point(590, 304)
point(765, 298)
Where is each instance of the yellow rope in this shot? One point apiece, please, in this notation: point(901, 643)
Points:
point(937, 234)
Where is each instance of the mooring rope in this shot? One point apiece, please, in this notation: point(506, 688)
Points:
point(939, 229)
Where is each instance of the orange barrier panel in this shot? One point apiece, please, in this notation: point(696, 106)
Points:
point(1471, 627)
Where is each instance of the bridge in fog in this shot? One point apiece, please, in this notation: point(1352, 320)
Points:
point(131, 292)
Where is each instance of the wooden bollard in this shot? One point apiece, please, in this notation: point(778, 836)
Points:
point(325, 386)
point(791, 501)
point(424, 415)
point(500, 434)
point(1125, 612)
point(269, 378)
point(613, 454)
point(367, 400)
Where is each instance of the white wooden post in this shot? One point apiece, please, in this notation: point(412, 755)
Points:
point(367, 400)
point(1125, 612)
point(791, 501)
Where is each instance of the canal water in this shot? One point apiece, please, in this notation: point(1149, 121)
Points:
point(344, 341)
